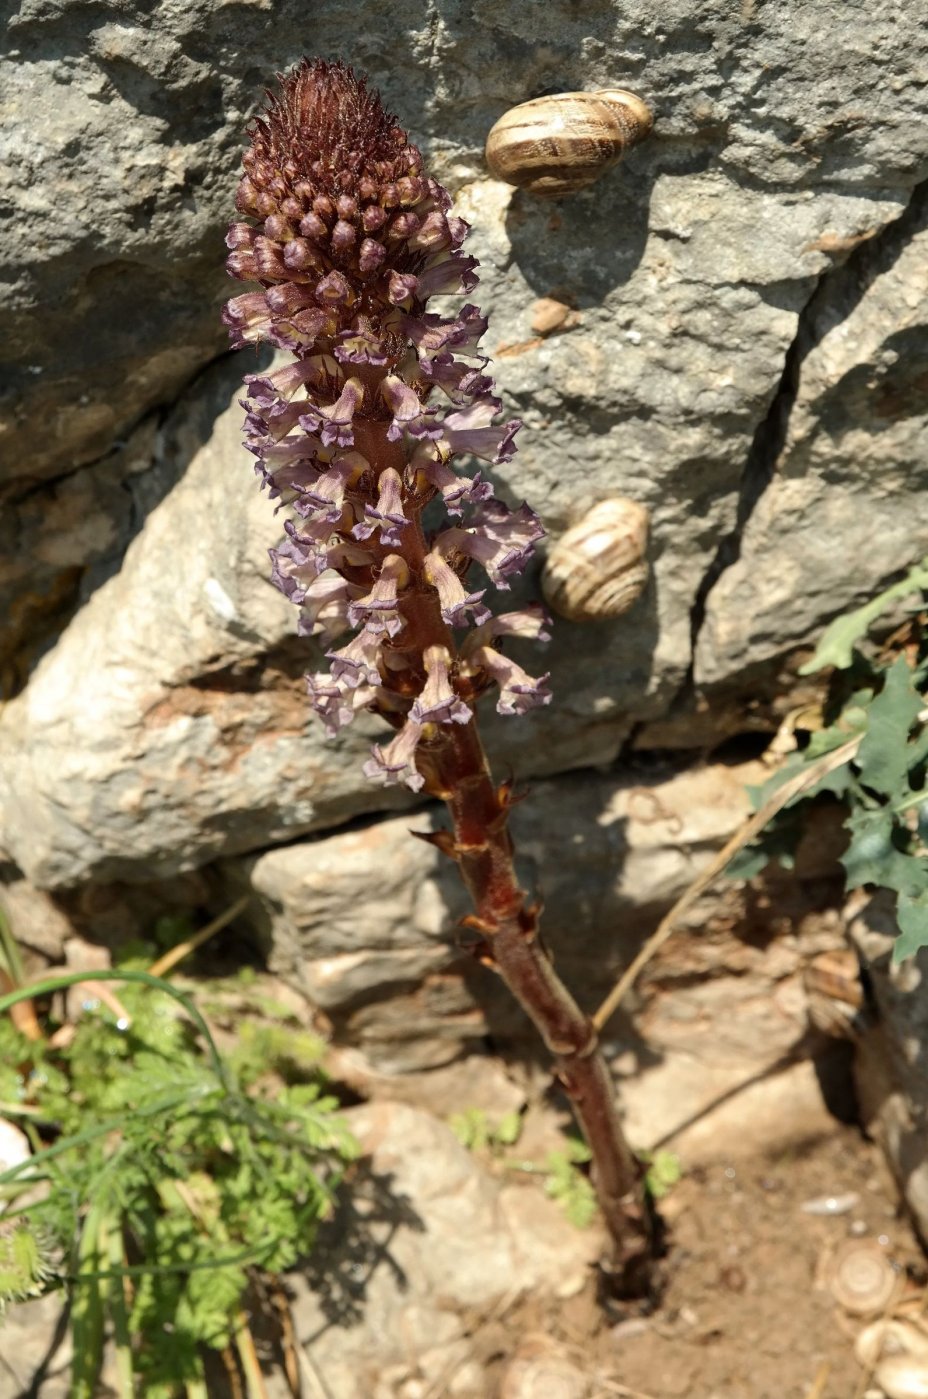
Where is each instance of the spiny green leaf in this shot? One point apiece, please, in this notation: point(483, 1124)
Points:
point(873, 857)
point(23, 1268)
point(836, 647)
point(912, 917)
point(884, 758)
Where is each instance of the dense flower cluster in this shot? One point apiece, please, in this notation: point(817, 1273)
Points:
point(349, 239)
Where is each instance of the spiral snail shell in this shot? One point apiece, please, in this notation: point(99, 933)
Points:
point(557, 144)
point(862, 1277)
point(903, 1377)
point(598, 568)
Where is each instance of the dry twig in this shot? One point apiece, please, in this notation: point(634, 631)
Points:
point(176, 954)
point(828, 762)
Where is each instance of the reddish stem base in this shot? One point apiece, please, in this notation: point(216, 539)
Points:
point(482, 846)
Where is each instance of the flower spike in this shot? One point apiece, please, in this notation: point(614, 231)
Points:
point(348, 239)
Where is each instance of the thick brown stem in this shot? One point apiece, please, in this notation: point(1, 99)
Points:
point(455, 768)
point(509, 922)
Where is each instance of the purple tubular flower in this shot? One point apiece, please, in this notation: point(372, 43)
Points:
point(295, 562)
point(248, 318)
point(271, 393)
point(469, 430)
point(403, 287)
point(453, 598)
point(397, 761)
point(530, 622)
point(409, 414)
point(461, 382)
point(348, 239)
point(356, 663)
point(377, 610)
point(326, 601)
point(387, 513)
point(336, 705)
point(500, 539)
point(324, 498)
point(456, 491)
point(452, 274)
point(433, 334)
point(362, 344)
point(518, 691)
point(438, 702)
point(333, 422)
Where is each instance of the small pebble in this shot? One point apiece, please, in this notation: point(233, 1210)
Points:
point(628, 1330)
point(549, 315)
point(831, 1204)
point(14, 1146)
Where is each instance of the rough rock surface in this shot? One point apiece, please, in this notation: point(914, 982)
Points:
point(365, 923)
point(430, 1235)
point(121, 129)
point(849, 482)
point(166, 727)
point(169, 725)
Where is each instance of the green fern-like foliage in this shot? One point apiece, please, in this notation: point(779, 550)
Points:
point(163, 1179)
point(879, 696)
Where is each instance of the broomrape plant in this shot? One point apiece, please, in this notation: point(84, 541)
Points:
point(349, 239)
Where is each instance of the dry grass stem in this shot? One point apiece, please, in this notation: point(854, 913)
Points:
point(751, 828)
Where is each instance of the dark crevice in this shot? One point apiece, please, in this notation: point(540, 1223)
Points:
point(836, 294)
point(760, 465)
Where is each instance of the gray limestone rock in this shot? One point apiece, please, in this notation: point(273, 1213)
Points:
point(429, 1235)
point(846, 507)
point(366, 924)
point(122, 128)
point(742, 352)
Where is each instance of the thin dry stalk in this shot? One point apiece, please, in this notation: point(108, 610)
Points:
point(176, 954)
point(751, 828)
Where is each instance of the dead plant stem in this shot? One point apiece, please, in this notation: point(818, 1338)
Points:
point(751, 828)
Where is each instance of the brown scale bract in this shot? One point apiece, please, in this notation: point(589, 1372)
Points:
point(327, 127)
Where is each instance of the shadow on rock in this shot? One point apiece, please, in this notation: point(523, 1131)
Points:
point(355, 1243)
point(588, 243)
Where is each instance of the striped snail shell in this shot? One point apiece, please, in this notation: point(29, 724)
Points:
point(555, 145)
point(598, 568)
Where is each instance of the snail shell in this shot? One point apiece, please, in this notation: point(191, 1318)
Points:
point(862, 1277)
point(597, 569)
point(555, 145)
point(891, 1337)
point(903, 1377)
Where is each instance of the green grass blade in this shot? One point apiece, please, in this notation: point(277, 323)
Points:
point(28, 1167)
point(87, 1314)
point(116, 1299)
point(50, 984)
point(9, 952)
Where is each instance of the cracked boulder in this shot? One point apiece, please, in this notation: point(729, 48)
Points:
point(122, 129)
point(161, 721)
point(428, 1236)
point(366, 924)
point(169, 725)
point(846, 507)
